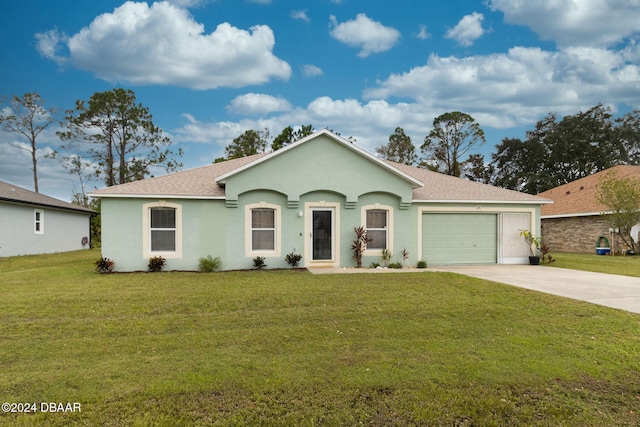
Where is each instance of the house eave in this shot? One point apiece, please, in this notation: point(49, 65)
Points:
point(573, 215)
point(495, 202)
point(154, 196)
point(48, 206)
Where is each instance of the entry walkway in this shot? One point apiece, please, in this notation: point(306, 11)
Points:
point(610, 290)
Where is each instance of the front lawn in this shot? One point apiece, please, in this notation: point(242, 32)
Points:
point(292, 348)
point(625, 265)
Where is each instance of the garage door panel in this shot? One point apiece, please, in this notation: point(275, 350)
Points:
point(459, 238)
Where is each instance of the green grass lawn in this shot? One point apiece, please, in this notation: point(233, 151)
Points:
point(625, 265)
point(292, 348)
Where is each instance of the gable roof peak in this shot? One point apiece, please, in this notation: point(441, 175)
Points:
point(337, 138)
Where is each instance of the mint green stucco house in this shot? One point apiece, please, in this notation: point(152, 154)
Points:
point(307, 198)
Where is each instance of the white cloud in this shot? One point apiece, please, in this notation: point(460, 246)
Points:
point(301, 15)
point(352, 117)
point(518, 87)
point(257, 104)
point(221, 133)
point(370, 36)
point(423, 34)
point(468, 30)
point(48, 44)
point(310, 70)
point(510, 90)
point(162, 44)
point(190, 3)
point(595, 23)
point(501, 91)
point(196, 131)
point(369, 123)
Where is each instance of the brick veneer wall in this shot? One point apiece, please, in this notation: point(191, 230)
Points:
point(577, 234)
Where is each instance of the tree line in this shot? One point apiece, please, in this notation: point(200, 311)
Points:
point(111, 137)
point(253, 141)
point(555, 152)
point(558, 151)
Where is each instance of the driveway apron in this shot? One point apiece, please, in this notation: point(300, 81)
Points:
point(621, 292)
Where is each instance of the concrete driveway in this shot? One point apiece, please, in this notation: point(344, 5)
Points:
point(610, 290)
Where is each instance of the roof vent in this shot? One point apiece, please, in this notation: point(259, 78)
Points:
point(568, 192)
point(582, 187)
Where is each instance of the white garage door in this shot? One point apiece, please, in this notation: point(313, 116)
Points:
point(458, 238)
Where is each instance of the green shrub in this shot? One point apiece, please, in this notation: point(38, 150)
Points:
point(395, 265)
point(374, 265)
point(105, 265)
point(156, 264)
point(293, 259)
point(258, 262)
point(386, 257)
point(422, 264)
point(209, 264)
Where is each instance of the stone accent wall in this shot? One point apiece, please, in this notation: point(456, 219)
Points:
point(577, 234)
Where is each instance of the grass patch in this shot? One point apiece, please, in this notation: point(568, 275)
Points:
point(291, 348)
point(624, 265)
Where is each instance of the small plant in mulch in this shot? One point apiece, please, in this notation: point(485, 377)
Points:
point(156, 264)
point(422, 264)
point(405, 256)
point(386, 257)
point(359, 244)
point(209, 264)
point(293, 259)
point(258, 263)
point(105, 265)
point(545, 256)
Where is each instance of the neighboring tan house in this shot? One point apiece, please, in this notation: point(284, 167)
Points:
point(573, 223)
point(32, 223)
point(307, 198)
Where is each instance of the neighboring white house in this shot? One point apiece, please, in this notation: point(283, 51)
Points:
point(32, 223)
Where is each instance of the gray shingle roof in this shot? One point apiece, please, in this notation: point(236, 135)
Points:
point(13, 193)
point(441, 187)
point(193, 183)
point(201, 183)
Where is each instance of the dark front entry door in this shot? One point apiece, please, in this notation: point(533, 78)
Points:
point(322, 234)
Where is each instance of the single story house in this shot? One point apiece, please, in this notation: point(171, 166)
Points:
point(573, 223)
point(307, 198)
point(32, 223)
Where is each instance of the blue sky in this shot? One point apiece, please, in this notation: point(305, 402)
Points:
point(209, 70)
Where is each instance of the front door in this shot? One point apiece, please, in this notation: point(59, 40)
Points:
point(322, 234)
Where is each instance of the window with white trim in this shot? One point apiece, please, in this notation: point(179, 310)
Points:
point(377, 219)
point(162, 225)
point(377, 230)
point(263, 229)
point(162, 229)
point(38, 221)
point(262, 225)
